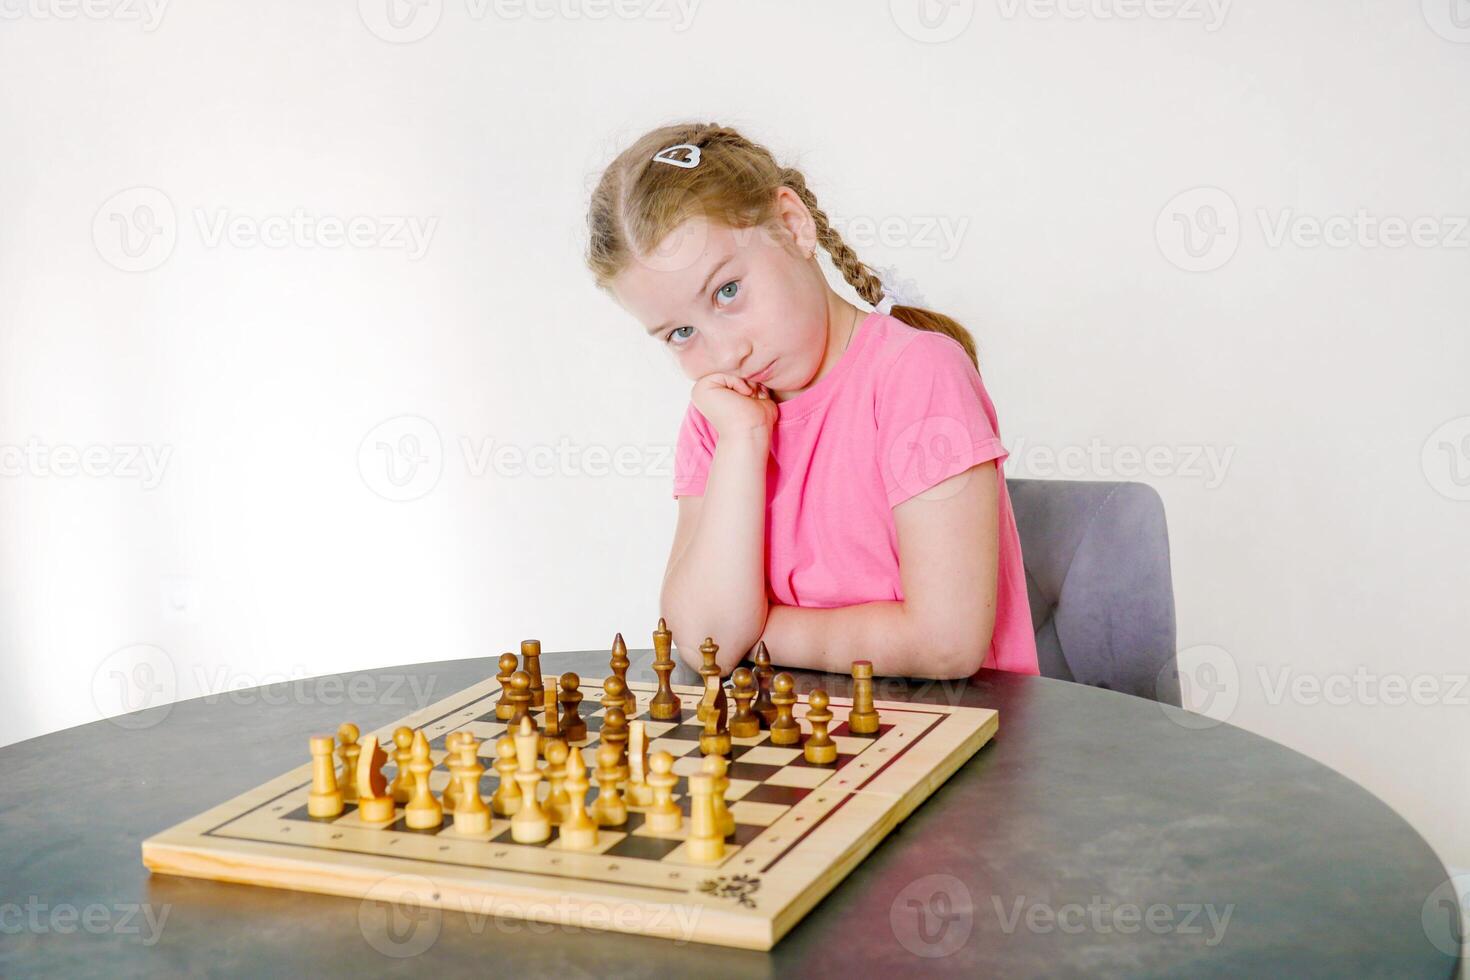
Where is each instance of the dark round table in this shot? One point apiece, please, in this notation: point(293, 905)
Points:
point(1098, 834)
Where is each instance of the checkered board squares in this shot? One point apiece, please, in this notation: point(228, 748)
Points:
point(799, 827)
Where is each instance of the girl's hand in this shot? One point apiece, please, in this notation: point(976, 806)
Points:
point(733, 405)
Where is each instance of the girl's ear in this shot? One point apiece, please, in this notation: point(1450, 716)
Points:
point(795, 220)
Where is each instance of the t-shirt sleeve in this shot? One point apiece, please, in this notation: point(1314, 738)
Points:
point(934, 418)
point(692, 453)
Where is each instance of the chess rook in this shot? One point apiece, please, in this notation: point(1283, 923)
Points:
point(531, 664)
point(863, 718)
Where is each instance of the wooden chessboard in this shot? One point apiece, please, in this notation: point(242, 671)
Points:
point(799, 829)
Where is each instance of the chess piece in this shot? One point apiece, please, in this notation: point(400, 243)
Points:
point(573, 728)
point(531, 664)
point(374, 804)
point(556, 774)
point(507, 666)
point(422, 812)
point(763, 705)
point(471, 815)
point(608, 809)
point(716, 766)
point(784, 729)
point(715, 739)
point(615, 732)
point(549, 716)
point(530, 825)
point(863, 718)
point(402, 787)
point(347, 735)
point(451, 762)
point(819, 748)
point(503, 707)
point(746, 723)
point(325, 799)
point(578, 832)
point(619, 665)
point(638, 793)
point(705, 842)
point(664, 817)
point(520, 700)
point(665, 703)
point(708, 649)
point(507, 798)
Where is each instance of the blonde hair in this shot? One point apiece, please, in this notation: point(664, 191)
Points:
point(637, 204)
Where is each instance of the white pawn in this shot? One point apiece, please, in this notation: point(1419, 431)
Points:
point(664, 816)
point(609, 809)
point(578, 832)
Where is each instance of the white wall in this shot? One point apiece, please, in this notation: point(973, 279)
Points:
point(1024, 173)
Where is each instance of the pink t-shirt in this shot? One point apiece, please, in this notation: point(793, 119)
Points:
point(901, 410)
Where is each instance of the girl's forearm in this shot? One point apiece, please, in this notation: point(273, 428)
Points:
point(882, 632)
point(717, 587)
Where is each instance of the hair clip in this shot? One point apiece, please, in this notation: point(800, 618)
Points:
point(688, 163)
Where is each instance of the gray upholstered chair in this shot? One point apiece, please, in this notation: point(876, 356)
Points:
point(1097, 574)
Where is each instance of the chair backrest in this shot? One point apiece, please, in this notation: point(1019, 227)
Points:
point(1097, 575)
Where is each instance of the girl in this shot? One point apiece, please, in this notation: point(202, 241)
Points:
point(837, 471)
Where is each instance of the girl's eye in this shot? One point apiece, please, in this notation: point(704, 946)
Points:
point(728, 291)
point(674, 333)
